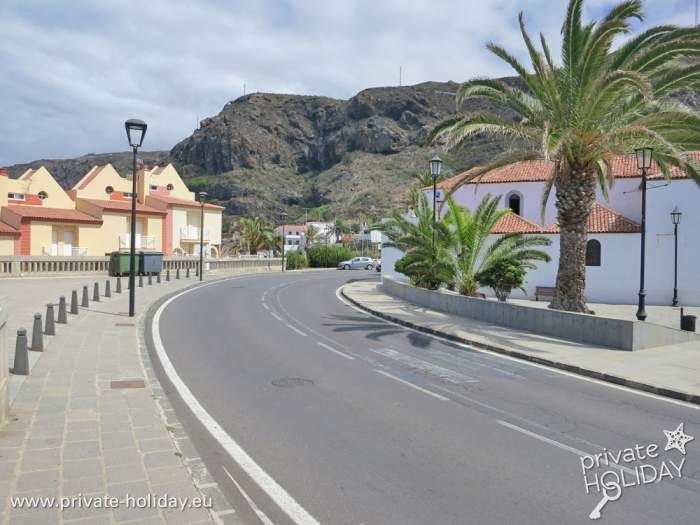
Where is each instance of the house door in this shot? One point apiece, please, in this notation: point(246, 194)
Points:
point(139, 233)
point(67, 242)
point(54, 242)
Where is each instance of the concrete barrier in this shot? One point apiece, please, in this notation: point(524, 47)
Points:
point(591, 329)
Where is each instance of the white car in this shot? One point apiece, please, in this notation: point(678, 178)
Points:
point(357, 263)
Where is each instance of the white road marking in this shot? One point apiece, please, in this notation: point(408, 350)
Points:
point(425, 366)
point(555, 443)
point(296, 329)
point(273, 314)
point(263, 517)
point(265, 306)
point(277, 493)
point(521, 361)
point(331, 349)
point(421, 389)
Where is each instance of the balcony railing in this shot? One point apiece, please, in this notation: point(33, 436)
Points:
point(64, 251)
point(191, 233)
point(143, 242)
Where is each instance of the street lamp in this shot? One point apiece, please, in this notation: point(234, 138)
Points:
point(643, 164)
point(284, 215)
point(435, 165)
point(676, 219)
point(202, 196)
point(135, 132)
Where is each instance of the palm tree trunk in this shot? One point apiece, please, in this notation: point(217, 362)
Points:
point(575, 198)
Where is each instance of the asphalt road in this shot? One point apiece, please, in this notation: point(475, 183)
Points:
point(364, 422)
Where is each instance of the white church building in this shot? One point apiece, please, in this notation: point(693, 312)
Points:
point(613, 251)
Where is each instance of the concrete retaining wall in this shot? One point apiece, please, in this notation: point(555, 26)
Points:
point(591, 329)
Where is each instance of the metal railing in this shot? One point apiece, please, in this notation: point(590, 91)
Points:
point(143, 242)
point(191, 233)
point(52, 251)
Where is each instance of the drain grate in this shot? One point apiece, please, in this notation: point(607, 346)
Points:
point(127, 383)
point(124, 324)
point(291, 382)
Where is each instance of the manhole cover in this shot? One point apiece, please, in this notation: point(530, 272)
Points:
point(291, 382)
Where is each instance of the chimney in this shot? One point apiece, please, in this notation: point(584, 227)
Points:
point(4, 172)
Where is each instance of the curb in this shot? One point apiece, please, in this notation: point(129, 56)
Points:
point(609, 378)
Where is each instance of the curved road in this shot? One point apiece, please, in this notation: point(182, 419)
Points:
point(364, 422)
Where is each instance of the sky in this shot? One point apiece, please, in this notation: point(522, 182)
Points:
point(74, 70)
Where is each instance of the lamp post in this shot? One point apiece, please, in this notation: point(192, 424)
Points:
point(676, 219)
point(643, 164)
point(435, 165)
point(284, 238)
point(202, 196)
point(135, 132)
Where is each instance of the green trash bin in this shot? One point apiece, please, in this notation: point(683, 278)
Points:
point(119, 263)
point(151, 262)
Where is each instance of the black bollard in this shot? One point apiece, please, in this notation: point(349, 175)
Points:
point(85, 302)
point(150, 280)
point(140, 281)
point(108, 289)
point(74, 302)
point(21, 355)
point(167, 274)
point(196, 271)
point(96, 293)
point(62, 315)
point(37, 335)
point(177, 273)
point(49, 325)
point(187, 272)
point(119, 284)
point(157, 278)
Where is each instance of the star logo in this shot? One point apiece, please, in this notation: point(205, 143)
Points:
point(677, 439)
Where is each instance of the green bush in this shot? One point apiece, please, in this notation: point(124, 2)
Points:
point(296, 260)
point(322, 256)
point(502, 276)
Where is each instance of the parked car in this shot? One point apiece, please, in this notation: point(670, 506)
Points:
point(378, 267)
point(357, 263)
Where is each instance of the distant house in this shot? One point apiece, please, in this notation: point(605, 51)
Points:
point(294, 237)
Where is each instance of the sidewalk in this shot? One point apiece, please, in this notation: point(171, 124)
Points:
point(77, 427)
point(672, 371)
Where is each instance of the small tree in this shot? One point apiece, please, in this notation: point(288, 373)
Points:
point(502, 277)
point(296, 259)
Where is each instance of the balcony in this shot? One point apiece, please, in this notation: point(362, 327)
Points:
point(191, 233)
point(63, 251)
point(143, 242)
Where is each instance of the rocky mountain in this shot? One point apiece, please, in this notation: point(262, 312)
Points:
point(310, 155)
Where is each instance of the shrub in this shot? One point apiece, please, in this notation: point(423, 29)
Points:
point(322, 256)
point(296, 260)
point(503, 276)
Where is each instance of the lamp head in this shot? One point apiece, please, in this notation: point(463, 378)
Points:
point(135, 132)
point(643, 158)
point(676, 216)
point(435, 166)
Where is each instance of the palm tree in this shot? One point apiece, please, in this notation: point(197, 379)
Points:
point(416, 241)
point(597, 104)
point(473, 250)
point(256, 234)
point(311, 234)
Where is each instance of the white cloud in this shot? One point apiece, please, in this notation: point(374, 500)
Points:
point(74, 71)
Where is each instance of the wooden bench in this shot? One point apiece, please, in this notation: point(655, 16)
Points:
point(544, 291)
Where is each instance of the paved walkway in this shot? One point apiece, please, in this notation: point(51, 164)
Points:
point(73, 431)
point(670, 370)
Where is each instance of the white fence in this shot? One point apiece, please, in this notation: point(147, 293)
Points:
point(193, 233)
point(143, 242)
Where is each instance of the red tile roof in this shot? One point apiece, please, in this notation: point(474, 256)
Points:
point(123, 206)
point(182, 202)
point(41, 213)
point(513, 223)
point(291, 228)
point(624, 166)
point(605, 220)
point(6, 229)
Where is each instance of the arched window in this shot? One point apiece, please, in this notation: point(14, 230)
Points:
point(43, 195)
point(593, 253)
point(109, 190)
point(514, 201)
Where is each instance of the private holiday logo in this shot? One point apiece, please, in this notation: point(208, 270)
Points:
point(610, 472)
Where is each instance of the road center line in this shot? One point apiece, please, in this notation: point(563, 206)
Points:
point(273, 314)
point(331, 349)
point(419, 388)
point(277, 493)
point(265, 306)
point(296, 329)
